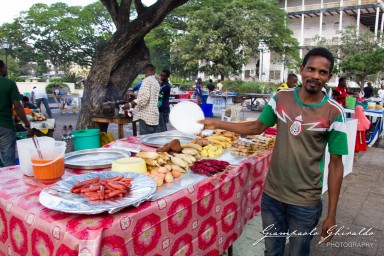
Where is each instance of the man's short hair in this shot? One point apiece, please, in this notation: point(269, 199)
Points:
point(319, 51)
point(149, 67)
point(341, 79)
point(166, 71)
point(292, 76)
point(210, 80)
point(25, 98)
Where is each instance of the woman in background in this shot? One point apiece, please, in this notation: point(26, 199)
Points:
point(363, 125)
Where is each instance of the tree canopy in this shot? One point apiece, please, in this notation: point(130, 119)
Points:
point(226, 34)
point(59, 32)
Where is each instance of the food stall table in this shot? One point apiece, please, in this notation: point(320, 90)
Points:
point(219, 102)
point(377, 117)
point(254, 96)
point(180, 95)
point(203, 219)
point(120, 121)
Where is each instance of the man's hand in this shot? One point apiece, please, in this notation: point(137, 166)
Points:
point(127, 106)
point(328, 229)
point(29, 131)
point(208, 123)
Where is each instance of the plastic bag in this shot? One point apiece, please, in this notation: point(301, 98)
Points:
point(106, 138)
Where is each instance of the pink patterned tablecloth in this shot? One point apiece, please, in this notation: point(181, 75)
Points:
point(204, 219)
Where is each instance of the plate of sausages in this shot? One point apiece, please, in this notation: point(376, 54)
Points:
point(98, 192)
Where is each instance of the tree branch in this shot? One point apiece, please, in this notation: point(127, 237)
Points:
point(124, 12)
point(139, 7)
point(113, 9)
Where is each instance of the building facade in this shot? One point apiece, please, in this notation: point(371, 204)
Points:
point(311, 18)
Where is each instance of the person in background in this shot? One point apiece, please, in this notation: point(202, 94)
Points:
point(341, 91)
point(27, 104)
point(211, 87)
point(363, 125)
point(146, 110)
point(307, 121)
point(292, 81)
point(163, 104)
point(219, 85)
point(40, 96)
point(368, 91)
point(199, 91)
point(380, 93)
point(9, 96)
point(137, 87)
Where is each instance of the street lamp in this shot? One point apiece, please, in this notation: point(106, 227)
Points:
point(6, 47)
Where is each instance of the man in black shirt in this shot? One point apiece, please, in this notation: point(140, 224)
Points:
point(27, 104)
point(163, 104)
point(211, 87)
point(368, 91)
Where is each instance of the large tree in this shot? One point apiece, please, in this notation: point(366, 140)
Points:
point(226, 34)
point(61, 33)
point(361, 55)
point(124, 56)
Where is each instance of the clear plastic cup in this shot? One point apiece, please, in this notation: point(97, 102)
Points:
point(50, 167)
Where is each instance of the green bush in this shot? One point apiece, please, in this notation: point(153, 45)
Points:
point(49, 87)
point(18, 79)
point(248, 87)
point(56, 80)
point(70, 77)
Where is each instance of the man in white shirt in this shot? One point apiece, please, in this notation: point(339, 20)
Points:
point(380, 92)
point(40, 96)
point(219, 85)
point(146, 110)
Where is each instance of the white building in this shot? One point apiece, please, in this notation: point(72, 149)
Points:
point(310, 18)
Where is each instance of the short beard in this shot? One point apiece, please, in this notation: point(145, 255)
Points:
point(311, 91)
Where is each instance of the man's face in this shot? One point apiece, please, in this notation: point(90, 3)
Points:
point(164, 77)
point(315, 74)
point(4, 71)
point(292, 82)
point(149, 72)
point(199, 81)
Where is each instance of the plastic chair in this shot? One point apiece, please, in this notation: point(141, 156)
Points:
point(235, 112)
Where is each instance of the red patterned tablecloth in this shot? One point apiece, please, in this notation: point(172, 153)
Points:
point(204, 219)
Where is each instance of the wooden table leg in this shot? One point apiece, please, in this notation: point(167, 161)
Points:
point(134, 128)
point(121, 131)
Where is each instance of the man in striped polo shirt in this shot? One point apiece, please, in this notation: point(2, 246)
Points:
point(307, 121)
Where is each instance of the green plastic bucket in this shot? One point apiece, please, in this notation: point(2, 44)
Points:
point(350, 102)
point(86, 139)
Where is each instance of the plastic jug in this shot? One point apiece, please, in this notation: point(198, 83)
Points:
point(49, 165)
point(23, 147)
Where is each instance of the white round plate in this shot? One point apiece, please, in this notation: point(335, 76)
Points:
point(184, 116)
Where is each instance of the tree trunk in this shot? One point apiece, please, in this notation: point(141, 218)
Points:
point(123, 57)
point(99, 91)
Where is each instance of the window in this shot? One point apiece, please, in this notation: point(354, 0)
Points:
point(336, 25)
point(247, 73)
point(274, 74)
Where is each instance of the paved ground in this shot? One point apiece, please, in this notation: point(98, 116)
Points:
point(361, 205)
